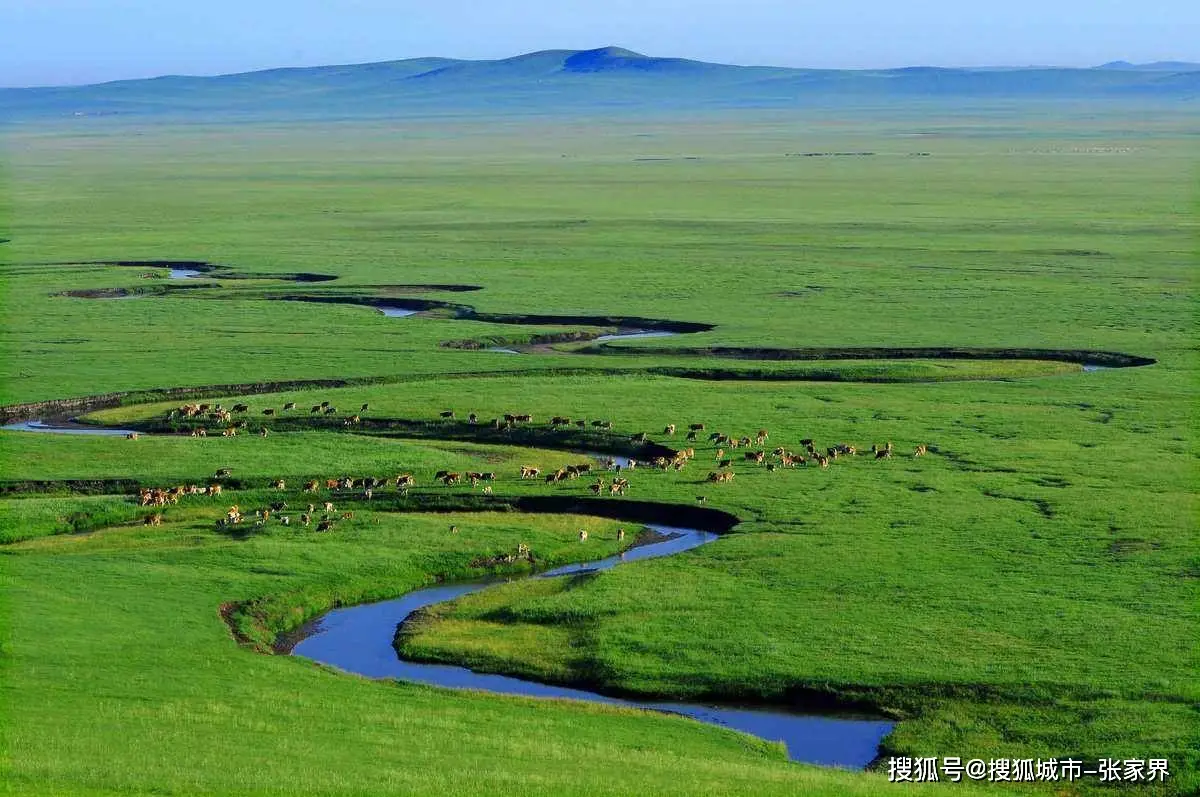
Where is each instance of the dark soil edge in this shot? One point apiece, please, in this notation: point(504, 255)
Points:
point(1107, 359)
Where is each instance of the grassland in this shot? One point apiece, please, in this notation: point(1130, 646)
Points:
point(1029, 589)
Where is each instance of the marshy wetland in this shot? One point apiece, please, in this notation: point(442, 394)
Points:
point(1018, 304)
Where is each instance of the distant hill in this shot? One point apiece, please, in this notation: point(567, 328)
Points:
point(1157, 66)
point(608, 78)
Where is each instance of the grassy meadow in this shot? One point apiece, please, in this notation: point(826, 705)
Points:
point(1028, 589)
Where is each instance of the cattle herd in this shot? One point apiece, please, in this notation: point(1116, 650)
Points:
point(611, 482)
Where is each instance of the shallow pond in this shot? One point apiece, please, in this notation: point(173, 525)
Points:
point(634, 335)
point(396, 312)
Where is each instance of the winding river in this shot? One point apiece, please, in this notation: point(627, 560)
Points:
point(359, 640)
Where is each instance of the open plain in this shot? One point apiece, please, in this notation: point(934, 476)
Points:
point(1011, 285)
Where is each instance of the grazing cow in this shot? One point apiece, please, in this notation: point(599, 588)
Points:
point(597, 487)
point(454, 529)
point(822, 460)
point(451, 479)
point(883, 453)
point(325, 525)
point(583, 535)
point(405, 480)
point(279, 506)
point(347, 516)
point(331, 484)
point(306, 519)
point(448, 415)
point(213, 489)
point(153, 520)
point(733, 442)
point(762, 436)
point(640, 437)
point(268, 411)
point(487, 489)
point(752, 456)
point(311, 487)
point(701, 499)
point(328, 506)
point(368, 493)
point(279, 484)
point(331, 410)
point(691, 436)
point(291, 405)
point(581, 423)
point(530, 472)
point(316, 408)
point(324, 404)
point(670, 430)
point(363, 408)
point(559, 420)
point(919, 451)
point(347, 483)
point(131, 436)
point(222, 473)
point(524, 418)
point(230, 432)
point(720, 454)
point(200, 432)
point(696, 427)
point(285, 520)
point(725, 463)
point(241, 407)
point(471, 419)
point(263, 432)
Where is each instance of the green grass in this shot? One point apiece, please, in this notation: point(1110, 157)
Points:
point(1027, 590)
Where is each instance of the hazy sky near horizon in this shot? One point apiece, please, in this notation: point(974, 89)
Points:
point(59, 42)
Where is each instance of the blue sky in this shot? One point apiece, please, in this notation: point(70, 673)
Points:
point(54, 42)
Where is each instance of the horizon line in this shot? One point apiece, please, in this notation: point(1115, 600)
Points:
point(988, 67)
